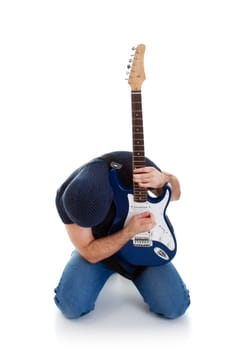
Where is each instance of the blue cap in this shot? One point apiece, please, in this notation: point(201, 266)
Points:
point(88, 197)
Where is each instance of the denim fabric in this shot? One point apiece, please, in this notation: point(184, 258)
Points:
point(161, 288)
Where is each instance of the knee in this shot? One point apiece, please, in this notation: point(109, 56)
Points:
point(176, 308)
point(71, 309)
point(175, 313)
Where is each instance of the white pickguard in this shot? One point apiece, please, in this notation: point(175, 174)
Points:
point(161, 232)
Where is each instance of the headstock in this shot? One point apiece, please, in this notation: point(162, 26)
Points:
point(137, 73)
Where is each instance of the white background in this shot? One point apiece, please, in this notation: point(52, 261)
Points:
point(63, 101)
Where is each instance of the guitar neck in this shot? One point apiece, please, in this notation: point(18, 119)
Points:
point(140, 194)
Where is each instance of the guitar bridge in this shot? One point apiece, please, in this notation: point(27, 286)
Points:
point(142, 240)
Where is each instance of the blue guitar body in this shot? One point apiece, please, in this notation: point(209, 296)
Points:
point(152, 248)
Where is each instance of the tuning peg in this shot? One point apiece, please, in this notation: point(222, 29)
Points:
point(127, 73)
point(133, 48)
point(128, 66)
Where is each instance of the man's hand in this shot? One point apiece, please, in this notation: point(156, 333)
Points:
point(149, 177)
point(143, 222)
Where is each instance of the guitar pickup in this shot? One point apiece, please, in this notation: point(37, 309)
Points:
point(142, 240)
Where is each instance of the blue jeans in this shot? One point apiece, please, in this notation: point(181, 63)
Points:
point(161, 288)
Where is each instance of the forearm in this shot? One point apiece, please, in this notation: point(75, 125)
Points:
point(174, 182)
point(95, 250)
point(102, 248)
point(155, 180)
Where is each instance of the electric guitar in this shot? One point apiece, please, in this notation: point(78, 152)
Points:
point(157, 246)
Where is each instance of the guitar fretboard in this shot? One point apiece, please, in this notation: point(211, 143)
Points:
point(140, 194)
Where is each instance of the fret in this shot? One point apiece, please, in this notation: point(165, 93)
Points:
point(138, 146)
point(139, 165)
point(137, 154)
point(137, 157)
